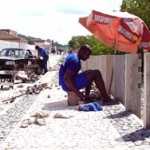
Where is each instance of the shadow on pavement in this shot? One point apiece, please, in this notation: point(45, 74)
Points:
point(60, 105)
point(138, 135)
point(119, 115)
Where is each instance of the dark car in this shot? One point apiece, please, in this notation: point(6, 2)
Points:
point(17, 59)
point(14, 58)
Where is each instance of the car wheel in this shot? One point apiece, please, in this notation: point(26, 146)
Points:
point(38, 71)
point(21, 67)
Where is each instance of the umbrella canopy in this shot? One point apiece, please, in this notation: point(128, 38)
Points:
point(125, 31)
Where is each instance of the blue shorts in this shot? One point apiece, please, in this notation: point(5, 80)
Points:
point(80, 81)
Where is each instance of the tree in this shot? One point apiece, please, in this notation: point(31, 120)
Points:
point(98, 48)
point(77, 41)
point(139, 8)
point(124, 6)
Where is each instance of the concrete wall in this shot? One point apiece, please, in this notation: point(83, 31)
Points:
point(125, 75)
point(6, 44)
point(119, 77)
point(104, 64)
point(9, 44)
point(112, 68)
point(132, 84)
point(146, 90)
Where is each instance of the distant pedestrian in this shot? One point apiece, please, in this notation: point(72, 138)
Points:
point(53, 50)
point(60, 51)
point(43, 57)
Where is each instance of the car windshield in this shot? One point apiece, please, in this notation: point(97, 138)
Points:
point(19, 53)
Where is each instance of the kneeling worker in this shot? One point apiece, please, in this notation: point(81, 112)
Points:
point(71, 80)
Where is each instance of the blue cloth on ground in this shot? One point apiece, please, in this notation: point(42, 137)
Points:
point(91, 107)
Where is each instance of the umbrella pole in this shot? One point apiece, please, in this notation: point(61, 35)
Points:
point(116, 45)
point(112, 73)
point(111, 79)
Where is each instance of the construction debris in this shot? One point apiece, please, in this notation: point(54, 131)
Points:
point(41, 114)
point(60, 116)
point(21, 75)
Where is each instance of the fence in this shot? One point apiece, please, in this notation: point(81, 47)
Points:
point(125, 71)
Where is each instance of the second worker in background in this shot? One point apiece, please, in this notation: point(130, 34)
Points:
point(43, 56)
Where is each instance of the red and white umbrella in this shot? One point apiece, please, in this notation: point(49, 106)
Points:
point(125, 31)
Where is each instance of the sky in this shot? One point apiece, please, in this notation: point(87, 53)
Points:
point(51, 19)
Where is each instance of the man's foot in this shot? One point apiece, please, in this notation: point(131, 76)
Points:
point(90, 99)
point(110, 101)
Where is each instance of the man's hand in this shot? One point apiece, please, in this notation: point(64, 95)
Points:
point(81, 95)
point(68, 77)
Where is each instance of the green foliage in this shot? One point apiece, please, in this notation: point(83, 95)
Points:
point(123, 5)
point(98, 48)
point(140, 8)
point(77, 41)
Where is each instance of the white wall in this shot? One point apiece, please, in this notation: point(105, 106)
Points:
point(9, 44)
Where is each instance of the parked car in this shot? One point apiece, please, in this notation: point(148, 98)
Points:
point(17, 59)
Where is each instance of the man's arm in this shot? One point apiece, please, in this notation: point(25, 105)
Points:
point(68, 78)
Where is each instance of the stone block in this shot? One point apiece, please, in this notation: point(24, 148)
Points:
point(73, 99)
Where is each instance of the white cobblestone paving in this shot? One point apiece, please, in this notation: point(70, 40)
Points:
point(83, 130)
point(112, 128)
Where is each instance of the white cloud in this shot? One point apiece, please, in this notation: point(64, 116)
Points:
point(50, 19)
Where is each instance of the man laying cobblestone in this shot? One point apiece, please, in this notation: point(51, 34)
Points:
point(71, 80)
point(43, 57)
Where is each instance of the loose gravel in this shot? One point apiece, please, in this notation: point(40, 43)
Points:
point(12, 116)
point(112, 128)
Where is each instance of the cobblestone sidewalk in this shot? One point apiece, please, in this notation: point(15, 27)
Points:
point(112, 128)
